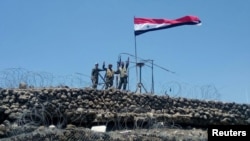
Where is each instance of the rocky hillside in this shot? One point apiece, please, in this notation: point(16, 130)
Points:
point(118, 110)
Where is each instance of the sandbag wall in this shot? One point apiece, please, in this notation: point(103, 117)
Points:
point(84, 107)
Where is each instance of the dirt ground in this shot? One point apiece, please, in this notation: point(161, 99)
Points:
point(84, 134)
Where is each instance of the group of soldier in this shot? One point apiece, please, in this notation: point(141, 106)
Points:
point(109, 75)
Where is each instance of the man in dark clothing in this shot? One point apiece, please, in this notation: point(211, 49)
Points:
point(94, 75)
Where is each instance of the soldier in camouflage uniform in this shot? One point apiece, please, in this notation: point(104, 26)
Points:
point(109, 76)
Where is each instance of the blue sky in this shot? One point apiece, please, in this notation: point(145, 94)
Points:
point(66, 38)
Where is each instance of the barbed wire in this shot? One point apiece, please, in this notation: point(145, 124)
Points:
point(28, 126)
point(177, 89)
point(12, 77)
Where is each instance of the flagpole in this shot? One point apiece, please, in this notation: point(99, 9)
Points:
point(136, 57)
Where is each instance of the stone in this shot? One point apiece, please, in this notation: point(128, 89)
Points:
point(150, 114)
point(41, 128)
point(70, 126)
point(63, 96)
point(2, 128)
point(80, 110)
point(197, 115)
point(248, 120)
point(23, 85)
point(23, 98)
point(8, 111)
point(100, 128)
point(52, 127)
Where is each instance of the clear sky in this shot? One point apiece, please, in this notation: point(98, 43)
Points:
point(66, 38)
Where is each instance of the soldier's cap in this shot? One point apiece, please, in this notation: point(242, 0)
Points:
point(110, 64)
point(96, 63)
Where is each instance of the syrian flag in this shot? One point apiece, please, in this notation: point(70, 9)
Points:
point(142, 25)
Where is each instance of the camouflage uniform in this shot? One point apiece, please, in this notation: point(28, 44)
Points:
point(109, 77)
point(123, 76)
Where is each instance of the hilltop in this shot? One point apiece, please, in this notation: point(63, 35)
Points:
point(73, 110)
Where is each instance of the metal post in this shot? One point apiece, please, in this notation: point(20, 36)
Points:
point(139, 84)
point(152, 89)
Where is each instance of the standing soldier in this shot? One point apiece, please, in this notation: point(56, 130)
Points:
point(94, 75)
point(109, 76)
point(123, 75)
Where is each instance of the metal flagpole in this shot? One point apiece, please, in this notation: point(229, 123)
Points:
point(136, 56)
point(139, 83)
point(136, 60)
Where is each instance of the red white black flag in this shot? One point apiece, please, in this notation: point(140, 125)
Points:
point(142, 25)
